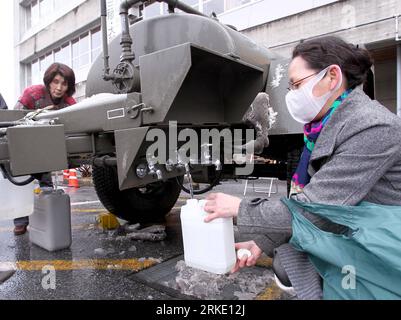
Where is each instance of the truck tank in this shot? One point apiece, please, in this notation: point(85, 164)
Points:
point(172, 30)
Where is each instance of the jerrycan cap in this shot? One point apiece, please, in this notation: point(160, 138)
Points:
point(47, 190)
point(198, 204)
point(243, 252)
point(43, 190)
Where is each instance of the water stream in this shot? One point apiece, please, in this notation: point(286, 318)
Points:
point(189, 177)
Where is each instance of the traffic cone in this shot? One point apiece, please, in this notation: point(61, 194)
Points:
point(66, 175)
point(73, 180)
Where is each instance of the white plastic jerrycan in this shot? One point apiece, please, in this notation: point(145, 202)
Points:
point(207, 246)
point(15, 201)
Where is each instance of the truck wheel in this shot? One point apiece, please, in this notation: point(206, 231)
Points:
point(292, 163)
point(148, 204)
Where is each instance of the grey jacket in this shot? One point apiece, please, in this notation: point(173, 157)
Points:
point(356, 157)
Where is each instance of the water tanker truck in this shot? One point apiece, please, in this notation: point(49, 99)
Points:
point(173, 76)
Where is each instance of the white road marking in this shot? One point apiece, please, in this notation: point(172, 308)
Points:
point(84, 202)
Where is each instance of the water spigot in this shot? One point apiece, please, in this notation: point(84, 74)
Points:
point(206, 153)
point(218, 165)
point(181, 164)
point(186, 166)
point(159, 175)
point(169, 165)
point(153, 170)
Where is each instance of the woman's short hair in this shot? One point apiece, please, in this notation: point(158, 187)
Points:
point(320, 53)
point(63, 70)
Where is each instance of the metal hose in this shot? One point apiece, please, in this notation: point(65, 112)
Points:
point(198, 192)
point(7, 124)
point(11, 179)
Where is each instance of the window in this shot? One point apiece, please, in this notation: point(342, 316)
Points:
point(35, 75)
point(45, 8)
point(35, 18)
point(59, 4)
point(152, 10)
point(38, 68)
point(84, 51)
point(96, 43)
point(45, 62)
point(39, 10)
point(62, 54)
point(80, 52)
point(75, 54)
point(216, 6)
point(193, 3)
point(231, 4)
point(28, 18)
point(135, 13)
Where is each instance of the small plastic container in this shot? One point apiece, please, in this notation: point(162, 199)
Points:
point(16, 201)
point(50, 223)
point(207, 246)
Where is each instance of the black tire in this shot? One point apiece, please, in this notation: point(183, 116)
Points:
point(292, 163)
point(144, 205)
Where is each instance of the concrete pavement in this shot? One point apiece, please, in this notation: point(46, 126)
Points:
point(105, 264)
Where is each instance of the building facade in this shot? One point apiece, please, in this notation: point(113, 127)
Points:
point(69, 32)
point(55, 30)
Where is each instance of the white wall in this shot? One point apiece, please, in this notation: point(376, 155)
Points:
point(356, 21)
point(263, 11)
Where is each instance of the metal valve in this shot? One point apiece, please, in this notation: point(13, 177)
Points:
point(218, 165)
point(153, 170)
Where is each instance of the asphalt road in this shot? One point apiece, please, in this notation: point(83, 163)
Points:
point(105, 264)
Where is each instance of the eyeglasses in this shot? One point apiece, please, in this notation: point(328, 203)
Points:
point(292, 85)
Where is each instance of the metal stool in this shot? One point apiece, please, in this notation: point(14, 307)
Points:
point(267, 190)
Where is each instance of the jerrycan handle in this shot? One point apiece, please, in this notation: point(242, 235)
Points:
point(202, 204)
point(202, 207)
point(192, 202)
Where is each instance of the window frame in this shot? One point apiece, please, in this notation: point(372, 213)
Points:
point(68, 46)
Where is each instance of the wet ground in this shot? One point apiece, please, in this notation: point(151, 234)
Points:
point(106, 264)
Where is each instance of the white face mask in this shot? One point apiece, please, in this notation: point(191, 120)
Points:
point(303, 105)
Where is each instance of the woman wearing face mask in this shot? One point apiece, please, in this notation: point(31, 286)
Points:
point(56, 93)
point(352, 153)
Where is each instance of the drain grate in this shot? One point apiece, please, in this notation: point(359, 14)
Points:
point(157, 276)
point(178, 281)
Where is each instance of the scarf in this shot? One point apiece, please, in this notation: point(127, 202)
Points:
point(311, 132)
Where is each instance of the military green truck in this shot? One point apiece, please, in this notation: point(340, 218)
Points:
point(177, 74)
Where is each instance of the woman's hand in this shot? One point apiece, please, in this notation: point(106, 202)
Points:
point(220, 205)
point(256, 252)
